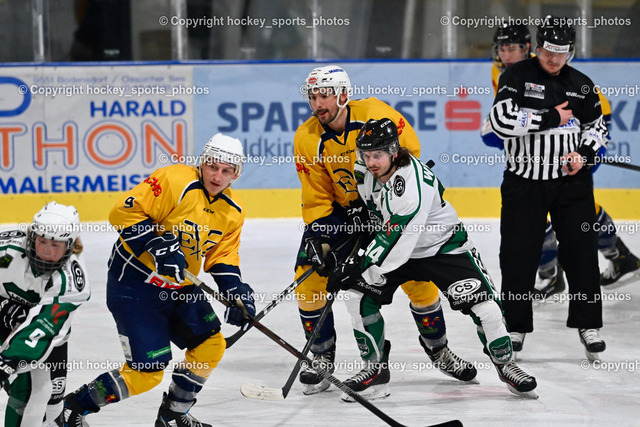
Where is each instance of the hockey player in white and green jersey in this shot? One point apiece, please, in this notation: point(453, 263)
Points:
point(419, 237)
point(41, 285)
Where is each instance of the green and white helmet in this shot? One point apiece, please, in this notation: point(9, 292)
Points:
point(54, 222)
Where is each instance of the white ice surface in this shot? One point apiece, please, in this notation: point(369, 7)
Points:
point(572, 391)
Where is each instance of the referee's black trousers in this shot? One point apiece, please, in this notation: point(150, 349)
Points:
point(525, 204)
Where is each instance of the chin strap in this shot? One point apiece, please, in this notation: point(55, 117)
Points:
point(340, 107)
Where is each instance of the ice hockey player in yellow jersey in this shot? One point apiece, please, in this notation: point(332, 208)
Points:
point(180, 217)
point(324, 148)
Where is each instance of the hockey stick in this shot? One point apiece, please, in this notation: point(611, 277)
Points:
point(291, 349)
point(254, 391)
point(279, 298)
point(260, 392)
point(615, 163)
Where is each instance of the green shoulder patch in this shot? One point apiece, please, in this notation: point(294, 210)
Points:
point(5, 261)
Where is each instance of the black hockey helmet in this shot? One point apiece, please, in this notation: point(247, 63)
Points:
point(556, 34)
point(510, 34)
point(378, 135)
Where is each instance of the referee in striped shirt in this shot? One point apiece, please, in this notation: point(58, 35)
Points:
point(550, 119)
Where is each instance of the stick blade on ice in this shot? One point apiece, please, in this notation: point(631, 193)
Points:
point(259, 392)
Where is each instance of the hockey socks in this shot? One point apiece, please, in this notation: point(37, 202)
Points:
point(492, 331)
point(433, 339)
point(326, 338)
point(430, 322)
point(107, 388)
point(323, 349)
point(185, 385)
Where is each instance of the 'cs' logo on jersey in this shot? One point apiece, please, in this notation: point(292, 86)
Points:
point(346, 180)
point(399, 186)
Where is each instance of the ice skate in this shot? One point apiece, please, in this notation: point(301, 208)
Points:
point(314, 382)
point(518, 382)
point(372, 382)
point(549, 283)
point(517, 341)
point(58, 422)
point(450, 364)
point(167, 417)
point(622, 270)
point(593, 344)
point(73, 411)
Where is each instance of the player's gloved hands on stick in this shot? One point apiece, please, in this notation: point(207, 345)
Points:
point(7, 368)
point(12, 313)
point(316, 248)
point(234, 314)
point(169, 258)
point(344, 275)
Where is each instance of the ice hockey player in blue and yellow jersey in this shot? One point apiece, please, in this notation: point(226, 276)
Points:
point(179, 218)
point(324, 148)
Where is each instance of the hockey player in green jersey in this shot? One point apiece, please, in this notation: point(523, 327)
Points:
point(419, 238)
point(42, 286)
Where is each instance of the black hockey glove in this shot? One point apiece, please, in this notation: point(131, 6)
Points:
point(12, 313)
point(168, 256)
point(7, 368)
point(345, 275)
point(359, 218)
point(234, 314)
point(316, 248)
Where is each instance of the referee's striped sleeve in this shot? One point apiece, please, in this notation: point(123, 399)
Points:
point(594, 134)
point(508, 120)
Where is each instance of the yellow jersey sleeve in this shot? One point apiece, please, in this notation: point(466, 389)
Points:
point(152, 198)
point(495, 76)
point(606, 110)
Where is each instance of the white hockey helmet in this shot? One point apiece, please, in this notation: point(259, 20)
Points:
point(330, 76)
point(225, 149)
point(54, 222)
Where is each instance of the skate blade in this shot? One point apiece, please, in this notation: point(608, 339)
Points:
point(376, 392)
point(473, 380)
point(593, 357)
point(625, 280)
point(545, 303)
point(253, 391)
point(310, 389)
point(524, 394)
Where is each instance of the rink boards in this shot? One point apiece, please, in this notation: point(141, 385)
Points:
point(85, 134)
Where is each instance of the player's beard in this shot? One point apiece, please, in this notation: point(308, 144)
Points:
point(380, 175)
point(328, 119)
